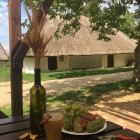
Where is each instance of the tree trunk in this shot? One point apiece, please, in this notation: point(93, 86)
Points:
point(136, 72)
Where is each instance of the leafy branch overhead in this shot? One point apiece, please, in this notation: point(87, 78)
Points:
point(35, 37)
point(104, 15)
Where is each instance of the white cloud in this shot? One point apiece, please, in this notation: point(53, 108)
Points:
point(3, 12)
point(4, 25)
point(3, 6)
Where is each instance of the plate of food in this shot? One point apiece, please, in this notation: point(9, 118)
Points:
point(84, 133)
point(77, 120)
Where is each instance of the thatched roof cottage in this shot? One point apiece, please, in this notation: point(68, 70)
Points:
point(82, 51)
point(3, 57)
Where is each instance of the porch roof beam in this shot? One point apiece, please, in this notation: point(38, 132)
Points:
point(18, 51)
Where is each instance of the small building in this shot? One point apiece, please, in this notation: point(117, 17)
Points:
point(3, 57)
point(83, 51)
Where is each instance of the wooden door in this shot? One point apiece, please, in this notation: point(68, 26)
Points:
point(52, 63)
point(110, 62)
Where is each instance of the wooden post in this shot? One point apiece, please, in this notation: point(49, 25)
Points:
point(16, 73)
point(18, 51)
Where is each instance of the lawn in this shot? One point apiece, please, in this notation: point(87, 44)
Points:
point(5, 73)
point(88, 94)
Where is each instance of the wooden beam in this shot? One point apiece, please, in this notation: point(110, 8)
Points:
point(18, 57)
point(16, 73)
point(18, 51)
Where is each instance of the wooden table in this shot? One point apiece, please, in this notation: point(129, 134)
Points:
point(12, 128)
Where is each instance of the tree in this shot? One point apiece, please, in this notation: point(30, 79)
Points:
point(129, 27)
point(105, 17)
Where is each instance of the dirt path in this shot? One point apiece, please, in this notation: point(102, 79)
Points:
point(63, 85)
point(123, 107)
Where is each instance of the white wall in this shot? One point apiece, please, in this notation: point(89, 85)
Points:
point(70, 62)
point(61, 65)
point(28, 65)
point(85, 61)
point(2, 64)
point(104, 61)
point(44, 64)
point(120, 60)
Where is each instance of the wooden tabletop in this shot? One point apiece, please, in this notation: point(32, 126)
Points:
point(13, 128)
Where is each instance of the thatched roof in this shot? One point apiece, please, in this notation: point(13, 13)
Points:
point(3, 55)
point(86, 43)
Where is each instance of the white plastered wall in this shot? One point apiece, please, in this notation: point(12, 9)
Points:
point(104, 61)
point(120, 60)
point(61, 65)
point(2, 64)
point(85, 61)
point(28, 65)
point(70, 62)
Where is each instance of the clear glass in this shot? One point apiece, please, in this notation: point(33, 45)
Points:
point(53, 128)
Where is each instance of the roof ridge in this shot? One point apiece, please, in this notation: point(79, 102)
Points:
point(1, 47)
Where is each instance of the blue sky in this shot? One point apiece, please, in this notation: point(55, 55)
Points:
point(4, 23)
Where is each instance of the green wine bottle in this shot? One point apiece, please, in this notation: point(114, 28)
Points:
point(37, 104)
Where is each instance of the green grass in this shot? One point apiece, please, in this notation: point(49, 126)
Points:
point(7, 110)
point(5, 74)
point(81, 73)
point(88, 94)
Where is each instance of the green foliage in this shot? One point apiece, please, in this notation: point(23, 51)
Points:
point(38, 3)
point(130, 27)
point(103, 15)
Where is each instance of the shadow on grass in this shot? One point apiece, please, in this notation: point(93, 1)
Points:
point(81, 73)
point(88, 95)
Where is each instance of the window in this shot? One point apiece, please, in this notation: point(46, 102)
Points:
point(61, 58)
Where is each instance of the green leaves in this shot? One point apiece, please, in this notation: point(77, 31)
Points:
point(104, 15)
point(38, 3)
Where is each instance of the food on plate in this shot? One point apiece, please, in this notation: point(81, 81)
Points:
point(95, 125)
point(77, 118)
point(68, 123)
point(77, 125)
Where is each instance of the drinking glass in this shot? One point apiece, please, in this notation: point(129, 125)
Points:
point(53, 128)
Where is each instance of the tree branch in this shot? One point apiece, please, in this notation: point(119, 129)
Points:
point(46, 6)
